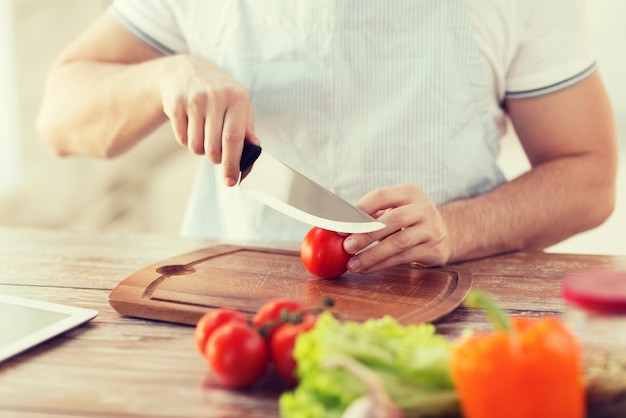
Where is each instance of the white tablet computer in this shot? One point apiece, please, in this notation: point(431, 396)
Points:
point(25, 323)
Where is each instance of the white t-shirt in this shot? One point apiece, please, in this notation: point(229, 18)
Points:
point(531, 47)
point(366, 94)
point(528, 47)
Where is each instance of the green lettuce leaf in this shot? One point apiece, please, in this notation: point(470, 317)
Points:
point(411, 361)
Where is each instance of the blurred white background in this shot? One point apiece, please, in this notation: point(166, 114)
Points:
point(146, 189)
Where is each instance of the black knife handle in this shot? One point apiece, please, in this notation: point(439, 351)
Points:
point(249, 155)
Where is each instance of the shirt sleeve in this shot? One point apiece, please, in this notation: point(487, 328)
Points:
point(555, 49)
point(155, 22)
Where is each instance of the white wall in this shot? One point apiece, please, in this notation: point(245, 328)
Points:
point(606, 21)
point(10, 157)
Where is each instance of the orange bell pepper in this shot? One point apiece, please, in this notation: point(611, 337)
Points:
point(527, 368)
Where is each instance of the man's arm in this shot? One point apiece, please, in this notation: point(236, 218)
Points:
point(109, 89)
point(570, 140)
point(102, 93)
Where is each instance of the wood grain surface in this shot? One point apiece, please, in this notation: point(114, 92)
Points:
point(182, 288)
point(119, 366)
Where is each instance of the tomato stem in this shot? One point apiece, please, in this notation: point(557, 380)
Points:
point(498, 317)
point(286, 316)
point(292, 317)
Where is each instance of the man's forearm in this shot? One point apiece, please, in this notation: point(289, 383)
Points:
point(552, 202)
point(100, 109)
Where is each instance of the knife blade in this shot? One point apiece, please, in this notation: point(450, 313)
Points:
point(286, 190)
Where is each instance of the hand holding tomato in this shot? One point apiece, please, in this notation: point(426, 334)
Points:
point(415, 231)
point(322, 253)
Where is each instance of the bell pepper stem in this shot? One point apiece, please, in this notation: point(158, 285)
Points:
point(498, 317)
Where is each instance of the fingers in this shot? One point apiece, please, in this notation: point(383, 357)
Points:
point(414, 232)
point(233, 134)
point(210, 113)
point(215, 128)
point(414, 244)
point(177, 115)
point(388, 205)
point(381, 200)
point(196, 114)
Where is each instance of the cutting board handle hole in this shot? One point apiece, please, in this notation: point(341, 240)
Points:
point(175, 270)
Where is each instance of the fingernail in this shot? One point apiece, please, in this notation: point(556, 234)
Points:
point(349, 244)
point(230, 181)
point(354, 264)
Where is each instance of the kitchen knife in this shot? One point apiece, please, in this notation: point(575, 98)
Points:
point(291, 193)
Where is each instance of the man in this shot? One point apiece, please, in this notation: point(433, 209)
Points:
point(395, 106)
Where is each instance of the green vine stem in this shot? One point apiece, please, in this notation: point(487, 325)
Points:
point(499, 318)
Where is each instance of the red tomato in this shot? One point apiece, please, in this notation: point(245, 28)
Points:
point(270, 313)
point(211, 321)
point(282, 343)
point(237, 355)
point(322, 253)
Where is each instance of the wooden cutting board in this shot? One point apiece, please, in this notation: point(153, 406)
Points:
point(183, 288)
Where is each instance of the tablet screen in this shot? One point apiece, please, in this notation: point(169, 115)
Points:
point(25, 323)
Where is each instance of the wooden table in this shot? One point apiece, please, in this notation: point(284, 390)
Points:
point(125, 367)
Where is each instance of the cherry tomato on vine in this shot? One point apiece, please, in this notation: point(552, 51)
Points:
point(269, 315)
point(237, 355)
point(282, 343)
point(211, 321)
point(322, 253)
